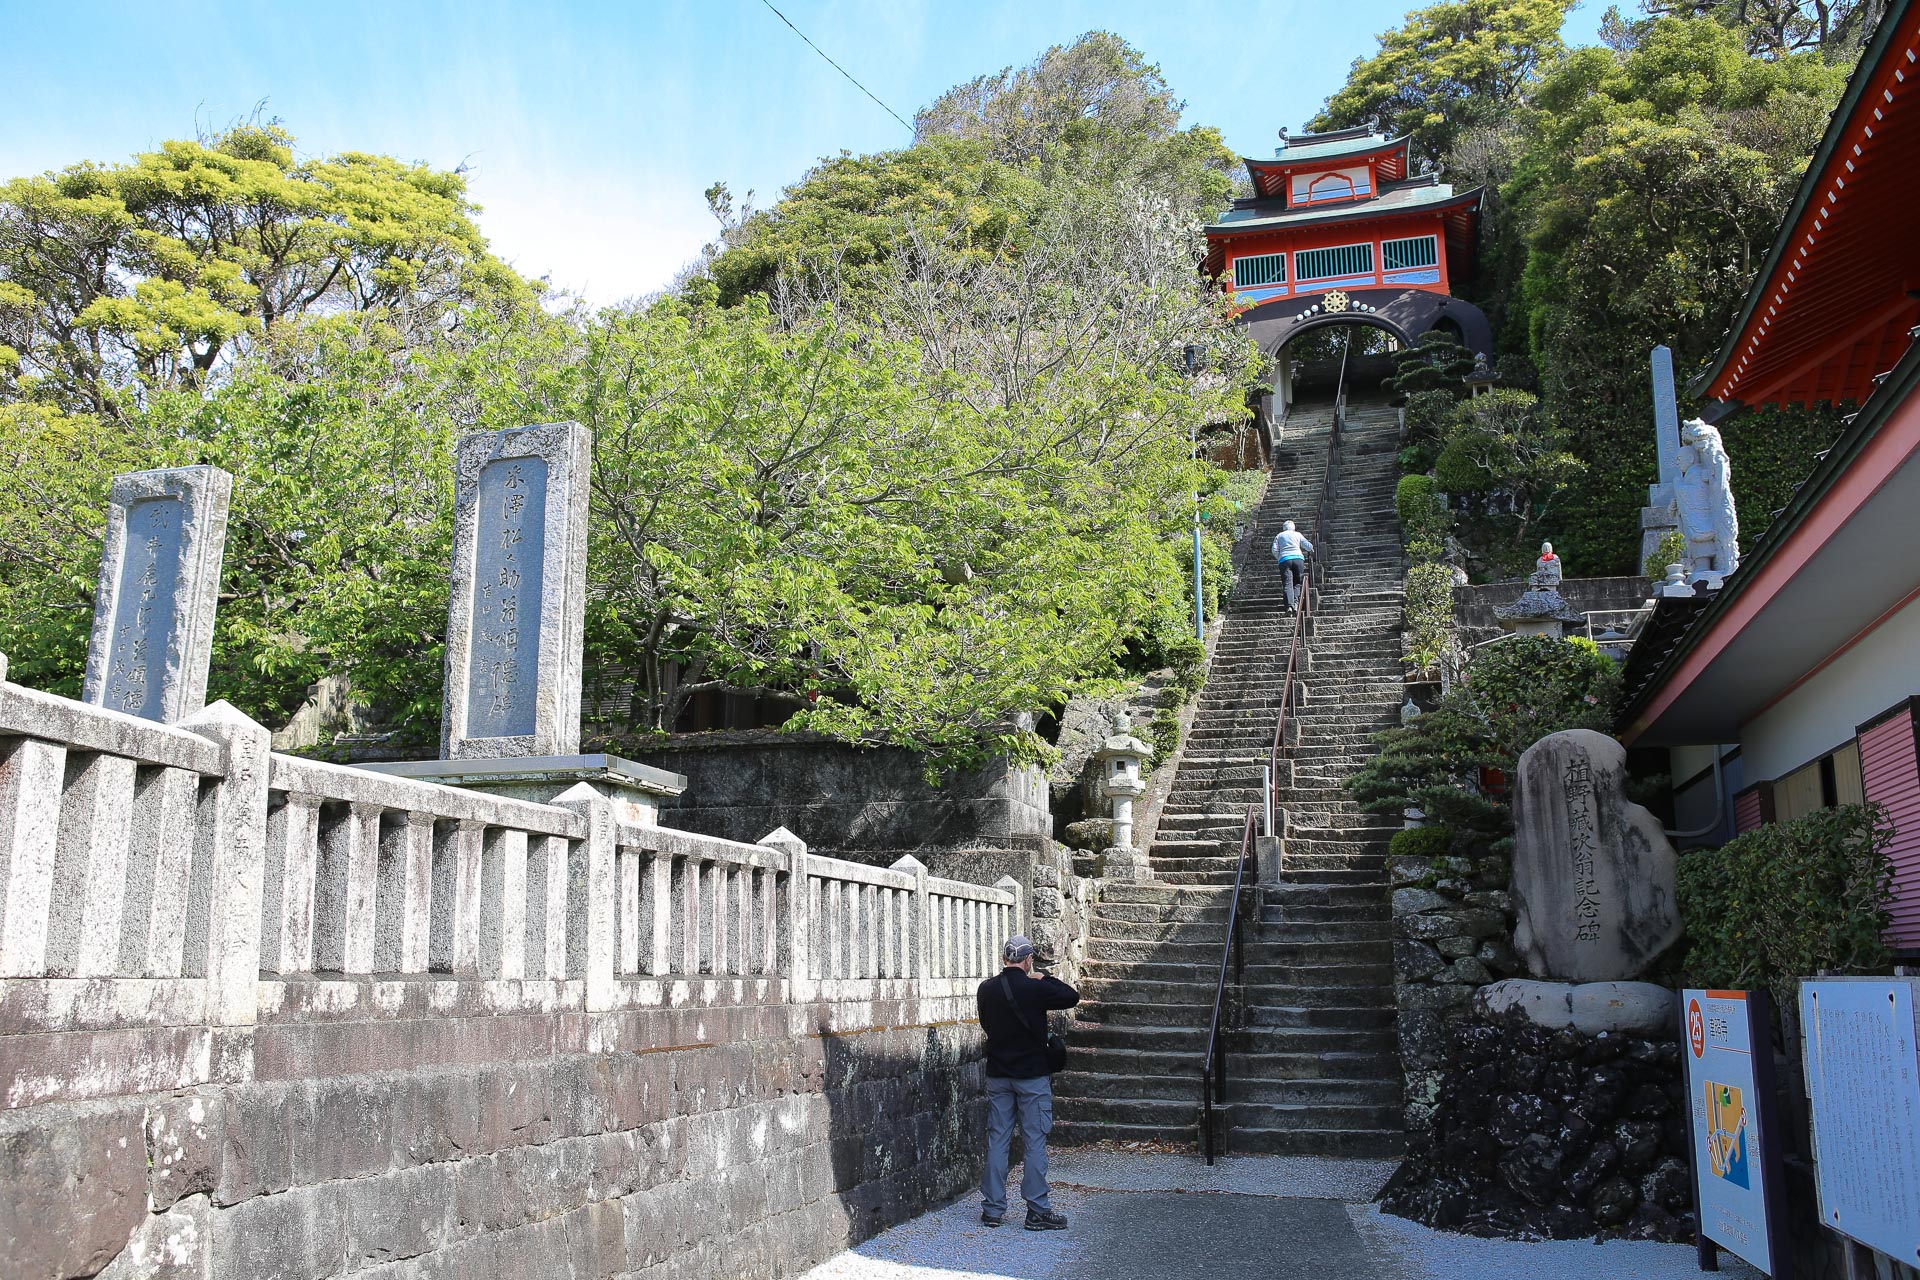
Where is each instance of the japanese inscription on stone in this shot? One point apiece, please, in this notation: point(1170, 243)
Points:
point(509, 562)
point(159, 583)
point(517, 616)
point(1583, 841)
point(143, 616)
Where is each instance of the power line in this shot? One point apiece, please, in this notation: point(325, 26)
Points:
point(836, 66)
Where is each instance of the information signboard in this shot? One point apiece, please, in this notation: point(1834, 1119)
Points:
point(1863, 1082)
point(1736, 1147)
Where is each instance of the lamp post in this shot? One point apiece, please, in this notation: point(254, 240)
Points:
point(1192, 353)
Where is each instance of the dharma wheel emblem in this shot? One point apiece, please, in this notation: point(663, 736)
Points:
point(1335, 302)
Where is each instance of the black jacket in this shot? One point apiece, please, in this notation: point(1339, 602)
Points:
point(1011, 1051)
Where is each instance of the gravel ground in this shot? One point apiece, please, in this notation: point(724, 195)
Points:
point(1166, 1217)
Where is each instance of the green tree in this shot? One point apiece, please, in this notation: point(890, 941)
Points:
point(1650, 189)
point(1447, 67)
point(1097, 81)
point(121, 280)
point(1773, 28)
point(1500, 443)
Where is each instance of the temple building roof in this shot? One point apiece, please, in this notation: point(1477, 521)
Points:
point(1417, 195)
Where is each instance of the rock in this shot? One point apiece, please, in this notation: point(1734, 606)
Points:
point(1497, 956)
point(1522, 1073)
point(1518, 1115)
point(1601, 1160)
point(1492, 899)
point(1434, 996)
point(1545, 1004)
point(1475, 922)
point(1639, 1143)
point(1613, 1201)
point(1593, 874)
point(1089, 835)
point(1468, 970)
point(1532, 1170)
point(1413, 902)
point(1454, 888)
point(1413, 961)
point(1423, 1037)
point(1648, 1101)
point(1454, 948)
point(1406, 870)
point(1627, 1008)
point(1667, 1186)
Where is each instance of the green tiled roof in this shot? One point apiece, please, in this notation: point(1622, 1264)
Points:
point(1318, 146)
point(1400, 199)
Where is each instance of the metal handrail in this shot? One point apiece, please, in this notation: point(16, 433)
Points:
point(1213, 1073)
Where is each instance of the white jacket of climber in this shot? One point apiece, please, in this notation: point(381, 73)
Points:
point(1288, 545)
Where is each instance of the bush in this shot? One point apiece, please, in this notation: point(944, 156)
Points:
point(1424, 519)
point(1672, 549)
point(1418, 457)
point(1421, 842)
point(1789, 899)
point(1429, 613)
point(1427, 414)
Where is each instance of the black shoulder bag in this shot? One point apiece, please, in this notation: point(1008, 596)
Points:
point(1053, 1046)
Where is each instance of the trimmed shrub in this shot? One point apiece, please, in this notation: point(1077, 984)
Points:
point(1421, 842)
point(1789, 899)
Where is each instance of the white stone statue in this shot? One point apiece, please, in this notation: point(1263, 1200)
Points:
point(1704, 494)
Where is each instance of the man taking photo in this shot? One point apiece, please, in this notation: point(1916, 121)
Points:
point(1013, 1013)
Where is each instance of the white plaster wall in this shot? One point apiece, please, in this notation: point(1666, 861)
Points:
point(1823, 713)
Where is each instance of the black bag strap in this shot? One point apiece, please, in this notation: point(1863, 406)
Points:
point(1006, 989)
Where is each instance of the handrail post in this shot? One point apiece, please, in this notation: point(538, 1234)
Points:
point(1266, 792)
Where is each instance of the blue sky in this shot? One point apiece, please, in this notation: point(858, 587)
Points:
point(591, 129)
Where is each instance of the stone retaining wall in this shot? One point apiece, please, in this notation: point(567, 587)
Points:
point(1453, 933)
point(843, 798)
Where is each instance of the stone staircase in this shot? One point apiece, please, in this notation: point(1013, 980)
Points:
point(1313, 1067)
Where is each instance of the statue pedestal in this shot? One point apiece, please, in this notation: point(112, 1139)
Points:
point(635, 789)
point(1121, 863)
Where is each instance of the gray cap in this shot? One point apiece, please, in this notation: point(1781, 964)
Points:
point(1018, 948)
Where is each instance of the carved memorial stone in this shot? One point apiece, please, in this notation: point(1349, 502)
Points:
point(517, 619)
point(1660, 516)
point(1593, 873)
point(159, 589)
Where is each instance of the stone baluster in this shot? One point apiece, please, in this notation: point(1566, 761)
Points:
point(293, 844)
point(503, 927)
point(90, 868)
point(164, 813)
point(792, 929)
point(1013, 918)
point(233, 842)
point(403, 894)
point(32, 774)
point(597, 902)
point(918, 921)
point(547, 906)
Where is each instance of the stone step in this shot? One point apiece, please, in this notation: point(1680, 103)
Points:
point(1258, 951)
point(1087, 1060)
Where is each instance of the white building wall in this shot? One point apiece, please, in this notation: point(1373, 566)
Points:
point(1823, 713)
point(1360, 176)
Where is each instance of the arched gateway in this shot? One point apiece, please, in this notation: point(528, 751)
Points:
point(1336, 232)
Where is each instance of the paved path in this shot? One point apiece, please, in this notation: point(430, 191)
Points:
point(1167, 1217)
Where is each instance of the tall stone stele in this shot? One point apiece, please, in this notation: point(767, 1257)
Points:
point(516, 628)
point(1593, 873)
point(159, 589)
point(516, 624)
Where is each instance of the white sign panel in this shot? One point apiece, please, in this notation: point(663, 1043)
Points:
point(1724, 1099)
point(1863, 1080)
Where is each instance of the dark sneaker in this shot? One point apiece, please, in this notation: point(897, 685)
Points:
point(992, 1219)
point(1045, 1220)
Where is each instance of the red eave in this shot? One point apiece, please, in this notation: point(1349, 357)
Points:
point(1841, 288)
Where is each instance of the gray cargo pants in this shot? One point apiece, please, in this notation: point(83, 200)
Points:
point(1033, 1100)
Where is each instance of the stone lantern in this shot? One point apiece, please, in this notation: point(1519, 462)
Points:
point(1119, 759)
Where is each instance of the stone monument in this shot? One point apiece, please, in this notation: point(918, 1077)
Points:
point(1660, 516)
point(1593, 873)
point(1703, 494)
point(517, 620)
point(159, 589)
point(1541, 610)
point(516, 628)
